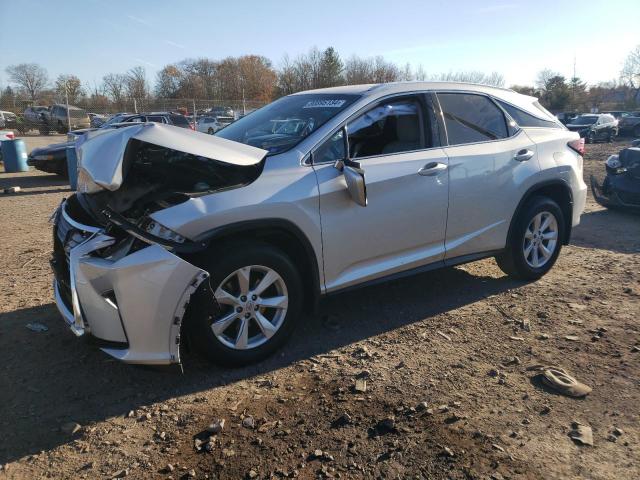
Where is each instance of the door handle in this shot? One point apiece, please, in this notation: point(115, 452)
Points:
point(523, 155)
point(432, 169)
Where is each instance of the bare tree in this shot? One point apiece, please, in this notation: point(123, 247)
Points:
point(630, 73)
point(494, 78)
point(114, 87)
point(69, 85)
point(30, 77)
point(136, 83)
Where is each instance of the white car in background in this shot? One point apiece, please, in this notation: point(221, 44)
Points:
point(225, 239)
point(208, 125)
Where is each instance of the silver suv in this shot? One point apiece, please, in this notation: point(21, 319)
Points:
point(224, 240)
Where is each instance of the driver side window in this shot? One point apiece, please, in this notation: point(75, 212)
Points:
point(332, 149)
point(388, 128)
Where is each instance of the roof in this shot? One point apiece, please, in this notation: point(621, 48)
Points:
point(407, 86)
point(524, 102)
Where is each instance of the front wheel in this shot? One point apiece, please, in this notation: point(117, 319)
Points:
point(249, 306)
point(591, 138)
point(535, 240)
point(210, 131)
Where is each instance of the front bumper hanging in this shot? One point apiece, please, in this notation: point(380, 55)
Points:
point(134, 302)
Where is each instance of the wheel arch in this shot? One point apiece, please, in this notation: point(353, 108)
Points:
point(560, 192)
point(283, 235)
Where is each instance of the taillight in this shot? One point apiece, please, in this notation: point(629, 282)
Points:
point(11, 136)
point(577, 145)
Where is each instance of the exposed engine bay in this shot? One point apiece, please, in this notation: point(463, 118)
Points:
point(153, 167)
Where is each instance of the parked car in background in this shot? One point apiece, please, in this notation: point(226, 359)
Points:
point(169, 118)
point(34, 114)
point(58, 118)
point(566, 117)
point(8, 120)
point(50, 159)
point(208, 125)
point(97, 119)
point(630, 124)
point(224, 239)
point(621, 186)
point(617, 114)
point(595, 126)
point(222, 112)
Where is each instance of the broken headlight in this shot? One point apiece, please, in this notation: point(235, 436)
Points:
point(614, 165)
point(86, 184)
point(160, 231)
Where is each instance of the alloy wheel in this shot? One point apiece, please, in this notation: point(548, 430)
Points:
point(253, 303)
point(540, 239)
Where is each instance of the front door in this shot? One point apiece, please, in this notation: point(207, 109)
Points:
point(403, 225)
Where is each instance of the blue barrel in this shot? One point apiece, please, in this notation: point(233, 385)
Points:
point(72, 167)
point(14, 156)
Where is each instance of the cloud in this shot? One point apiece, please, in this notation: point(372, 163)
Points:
point(149, 64)
point(174, 44)
point(139, 20)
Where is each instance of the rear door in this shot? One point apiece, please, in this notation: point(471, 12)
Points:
point(490, 160)
point(403, 225)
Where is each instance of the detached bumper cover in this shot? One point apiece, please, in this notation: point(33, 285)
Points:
point(133, 301)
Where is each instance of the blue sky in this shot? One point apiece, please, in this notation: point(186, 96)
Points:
point(516, 38)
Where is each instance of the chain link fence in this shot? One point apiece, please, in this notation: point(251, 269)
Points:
point(28, 115)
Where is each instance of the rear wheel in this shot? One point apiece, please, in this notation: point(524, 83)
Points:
point(591, 137)
point(249, 306)
point(535, 240)
point(210, 131)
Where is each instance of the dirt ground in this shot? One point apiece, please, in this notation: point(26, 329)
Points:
point(444, 356)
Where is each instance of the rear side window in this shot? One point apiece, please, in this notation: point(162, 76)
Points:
point(524, 119)
point(472, 118)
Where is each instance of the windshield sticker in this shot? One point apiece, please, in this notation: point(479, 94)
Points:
point(324, 104)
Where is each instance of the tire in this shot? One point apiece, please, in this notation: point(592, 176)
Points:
point(610, 137)
point(591, 138)
point(43, 130)
point(61, 128)
point(512, 260)
point(210, 131)
point(204, 311)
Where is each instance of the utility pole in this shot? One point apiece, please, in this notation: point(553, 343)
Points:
point(66, 96)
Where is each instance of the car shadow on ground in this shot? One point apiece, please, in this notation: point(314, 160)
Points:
point(614, 230)
point(34, 181)
point(74, 381)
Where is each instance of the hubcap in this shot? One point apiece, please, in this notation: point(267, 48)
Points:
point(540, 239)
point(253, 304)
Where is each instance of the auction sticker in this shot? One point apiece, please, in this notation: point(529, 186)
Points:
point(324, 104)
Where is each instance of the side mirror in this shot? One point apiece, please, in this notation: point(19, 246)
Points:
point(354, 176)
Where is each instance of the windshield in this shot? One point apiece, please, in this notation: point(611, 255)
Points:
point(583, 120)
point(286, 122)
point(77, 113)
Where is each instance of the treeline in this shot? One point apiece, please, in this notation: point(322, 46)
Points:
point(254, 78)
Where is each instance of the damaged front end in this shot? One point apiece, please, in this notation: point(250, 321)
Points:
point(621, 186)
point(119, 274)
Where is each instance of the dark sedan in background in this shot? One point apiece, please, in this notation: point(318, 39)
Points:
point(595, 126)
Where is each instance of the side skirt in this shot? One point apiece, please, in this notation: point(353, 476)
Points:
point(450, 262)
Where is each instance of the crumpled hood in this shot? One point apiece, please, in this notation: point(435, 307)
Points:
point(101, 152)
